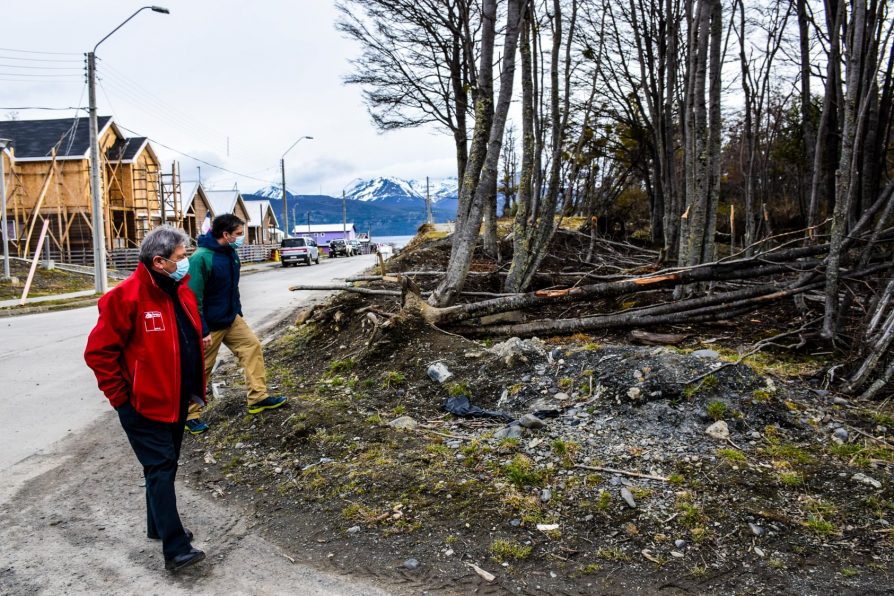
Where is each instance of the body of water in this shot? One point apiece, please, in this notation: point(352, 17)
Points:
point(396, 241)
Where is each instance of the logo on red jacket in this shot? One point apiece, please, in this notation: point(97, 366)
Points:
point(153, 321)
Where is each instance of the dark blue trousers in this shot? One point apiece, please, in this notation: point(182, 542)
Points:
point(157, 447)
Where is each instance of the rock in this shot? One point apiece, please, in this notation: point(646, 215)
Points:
point(706, 354)
point(547, 527)
point(628, 497)
point(840, 434)
point(411, 564)
point(677, 554)
point(448, 552)
point(546, 495)
point(515, 350)
point(680, 543)
point(515, 523)
point(758, 551)
point(634, 393)
point(404, 422)
point(531, 421)
point(840, 401)
point(438, 372)
point(304, 315)
point(756, 529)
point(543, 405)
point(326, 460)
point(353, 529)
point(863, 478)
point(561, 396)
point(513, 431)
point(719, 430)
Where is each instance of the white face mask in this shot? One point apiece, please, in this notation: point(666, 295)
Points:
point(182, 268)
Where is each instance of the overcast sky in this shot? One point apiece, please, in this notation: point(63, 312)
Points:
point(260, 74)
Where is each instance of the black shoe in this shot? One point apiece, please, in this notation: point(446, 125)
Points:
point(185, 560)
point(154, 536)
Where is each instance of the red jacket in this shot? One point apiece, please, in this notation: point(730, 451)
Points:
point(134, 350)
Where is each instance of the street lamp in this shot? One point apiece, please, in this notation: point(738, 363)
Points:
point(4, 143)
point(285, 209)
point(344, 210)
point(99, 240)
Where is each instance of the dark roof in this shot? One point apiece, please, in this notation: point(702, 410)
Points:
point(36, 138)
point(125, 149)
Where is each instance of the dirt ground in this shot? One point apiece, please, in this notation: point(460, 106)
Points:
point(620, 489)
point(44, 282)
point(68, 532)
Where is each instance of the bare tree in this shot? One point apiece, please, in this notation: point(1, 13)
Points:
point(417, 64)
point(480, 176)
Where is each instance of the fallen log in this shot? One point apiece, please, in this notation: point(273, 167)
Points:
point(657, 339)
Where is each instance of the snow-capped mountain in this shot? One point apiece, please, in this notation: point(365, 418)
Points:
point(392, 190)
point(388, 190)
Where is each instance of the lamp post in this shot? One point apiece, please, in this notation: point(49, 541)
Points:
point(99, 240)
point(344, 209)
point(282, 166)
point(4, 143)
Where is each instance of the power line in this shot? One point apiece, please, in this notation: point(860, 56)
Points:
point(38, 52)
point(41, 108)
point(202, 161)
point(30, 67)
point(59, 60)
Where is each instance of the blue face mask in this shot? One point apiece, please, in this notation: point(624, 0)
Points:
point(182, 269)
point(238, 242)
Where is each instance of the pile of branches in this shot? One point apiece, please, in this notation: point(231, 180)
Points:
point(784, 267)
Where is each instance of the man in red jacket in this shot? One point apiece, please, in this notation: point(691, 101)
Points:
point(146, 353)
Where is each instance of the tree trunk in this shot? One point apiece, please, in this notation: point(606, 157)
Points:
point(480, 180)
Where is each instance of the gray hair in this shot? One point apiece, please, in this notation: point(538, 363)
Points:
point(161, 242)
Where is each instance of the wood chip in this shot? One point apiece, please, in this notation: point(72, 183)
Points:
point(485, 575)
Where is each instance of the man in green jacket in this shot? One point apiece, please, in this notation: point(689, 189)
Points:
point(214, 279)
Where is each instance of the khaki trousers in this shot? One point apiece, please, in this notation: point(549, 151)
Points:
point(242, 341)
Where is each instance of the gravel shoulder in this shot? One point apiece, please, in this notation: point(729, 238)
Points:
point(79, 528)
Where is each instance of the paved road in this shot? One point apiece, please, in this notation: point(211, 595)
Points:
point(49, 393)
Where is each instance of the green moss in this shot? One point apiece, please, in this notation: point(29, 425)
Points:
point(819, 526)
point(340, 366)
point(504, 550)
point(457, 389)
point(676, 479)
point(392, 378)
point(733, 456)
point(522, 472)
point(790, 479)
point(612, 554)
point(375, 419)
point(604, 501)
point(849, 571)
point(565, 382)
point(761, 395)
point(590, 569)
point(716, 410)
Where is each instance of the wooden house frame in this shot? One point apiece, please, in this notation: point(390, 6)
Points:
point(49, 178)
point(194, 207)
point(262, 223)
point(228, 201)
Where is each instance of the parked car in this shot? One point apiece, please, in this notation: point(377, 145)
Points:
point(296, 250)
point(356, 247)
point(339, 247)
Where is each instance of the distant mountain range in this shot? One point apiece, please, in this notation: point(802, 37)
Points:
point(384, 206)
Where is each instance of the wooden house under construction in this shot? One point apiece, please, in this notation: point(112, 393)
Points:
point(48, 178)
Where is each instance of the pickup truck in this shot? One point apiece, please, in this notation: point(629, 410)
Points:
point(338, 247)
point(296, 250)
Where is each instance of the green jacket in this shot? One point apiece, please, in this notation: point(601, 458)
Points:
point(214, 279)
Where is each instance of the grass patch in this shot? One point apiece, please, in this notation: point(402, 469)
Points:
point(504, 550)
point(612, 554)
point(457, 389)
point(522, 471)
point(732, 456)
point(707, 384)
point(392, 378)
point(819, 526)
point(716, 410)
point(337, 367)
point(790, 479)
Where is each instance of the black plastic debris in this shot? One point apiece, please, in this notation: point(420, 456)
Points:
point(461, 406)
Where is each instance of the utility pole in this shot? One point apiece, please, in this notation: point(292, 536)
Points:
point(99, 232)
point(428, 217)
point(285, 203)
point(344, 217)
point(282, 167)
